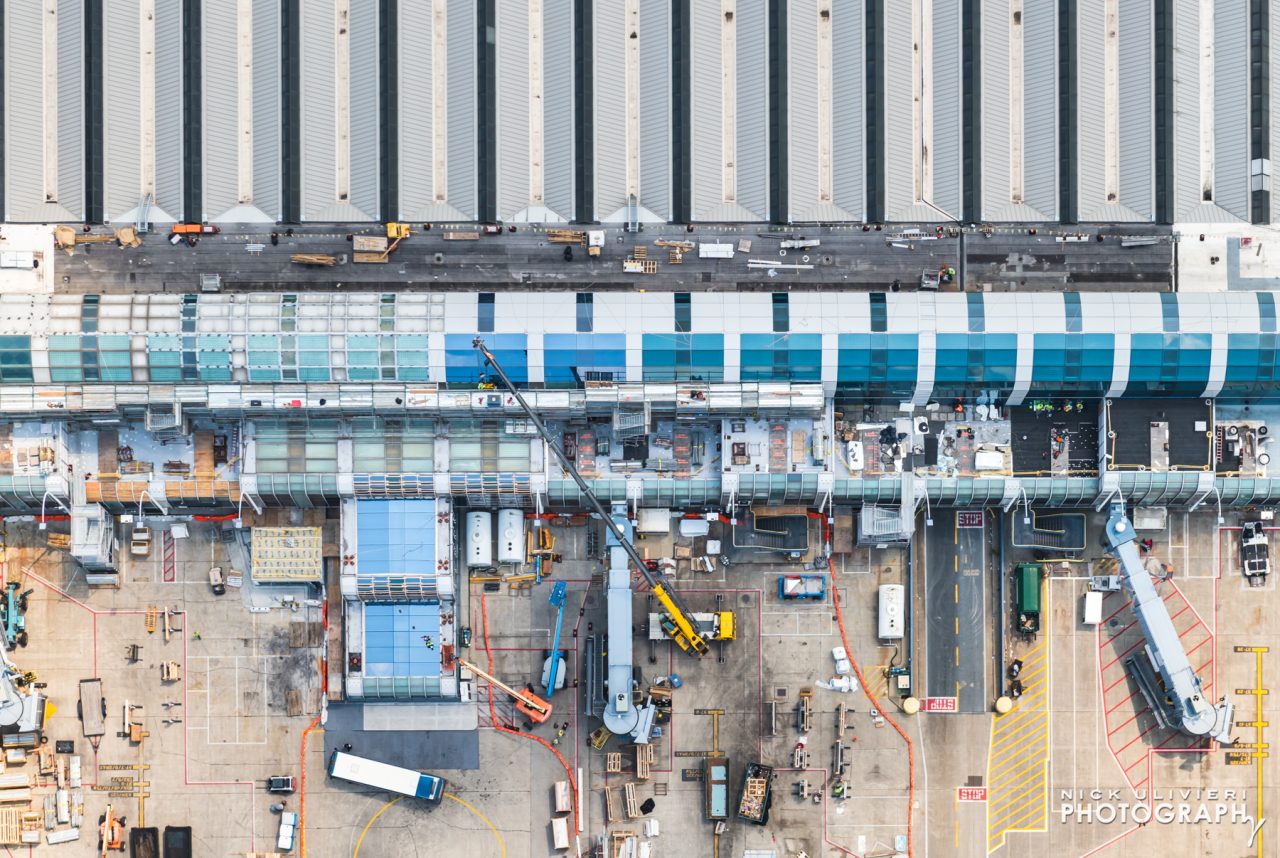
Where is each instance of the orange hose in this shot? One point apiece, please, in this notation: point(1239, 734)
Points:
point(302, 791)
point(844, 638)
point(493, 715)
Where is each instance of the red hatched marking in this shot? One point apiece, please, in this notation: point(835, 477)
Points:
point(170, 558)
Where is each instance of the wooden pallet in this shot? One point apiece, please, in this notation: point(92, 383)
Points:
point(11, 826)
point(644, 758)
point(640, 252)
point(629, 796)
point(675, 257)
point(613, 761)
point(611, 811)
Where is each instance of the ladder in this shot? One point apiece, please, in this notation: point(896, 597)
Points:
point(143, 221)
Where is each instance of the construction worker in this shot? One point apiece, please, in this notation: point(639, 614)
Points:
point(426, 639)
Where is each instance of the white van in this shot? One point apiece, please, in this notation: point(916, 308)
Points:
point(1092, 608)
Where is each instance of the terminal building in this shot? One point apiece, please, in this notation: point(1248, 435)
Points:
point(639, 111)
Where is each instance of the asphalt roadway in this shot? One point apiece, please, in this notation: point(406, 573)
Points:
point(1006, 259)
point(955, 643)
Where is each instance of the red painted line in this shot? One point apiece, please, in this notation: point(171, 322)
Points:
point(1125, 723)
point(1126, 604)
point(1123, 674)
point(1141, 759)
point(1123, 654)
point(1126, 699)
point(1139, 736)
point(1185, 608)
point(1197, 646)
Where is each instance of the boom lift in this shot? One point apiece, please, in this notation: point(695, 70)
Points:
point(551, 669)
point(1162, 671)
point(681, 628)
point(528, 704)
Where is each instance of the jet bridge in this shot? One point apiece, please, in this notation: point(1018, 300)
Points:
point(621, 715)
point(1162, 670)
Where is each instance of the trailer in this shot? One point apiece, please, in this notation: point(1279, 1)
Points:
point(1029, 580)
point(144, 843)
point(715, 780)
point(177, 841)
point(802, 587)
point(92, 709)
point(757, 793)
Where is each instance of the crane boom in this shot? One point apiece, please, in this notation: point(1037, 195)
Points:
point(692, 641)
point(530, 704)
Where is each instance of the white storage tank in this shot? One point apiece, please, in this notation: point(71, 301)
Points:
point(510, 536)
point(479, 543)
point(890, 624)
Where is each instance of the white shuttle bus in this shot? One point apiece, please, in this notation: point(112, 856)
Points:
point(372, 773)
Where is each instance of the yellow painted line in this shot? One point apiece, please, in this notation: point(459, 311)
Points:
point(1018, 812)
point(957, 598)
point(957, 625)
point(1022, 823)
point(370, 823)
point(1017, 738)
point(1035, 774)
point(502, 848)
point(957, 652)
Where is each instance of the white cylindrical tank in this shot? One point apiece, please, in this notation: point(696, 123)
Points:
point(890, 625)
point(510, 536)
point(479, 545)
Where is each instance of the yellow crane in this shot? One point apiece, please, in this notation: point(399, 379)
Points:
point(676, 620)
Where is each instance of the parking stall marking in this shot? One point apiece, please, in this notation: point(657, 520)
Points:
point(1018, 762)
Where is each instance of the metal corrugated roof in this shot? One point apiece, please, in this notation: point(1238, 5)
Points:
point(655, 107)
point(706, 95)
point(24, 128)
point(220, 103)
point(803, 178)
point(266, 109)
point(1090, 108)
point(513, 143)
point(1040, 107)
point(1274, 107)
point(610, 108)
point(994, 113)
point(317, 81)
point(366, 129)
point(461, 139)
point(121, 108)
point(1187, 180)
point(752, 165)
point(415, 165)
point(70, 107)
point(899, 135)
point(1137, 107)
point(558, 72)
point(848, 121)
point(169, 166)
point(1231, 106)
point(946, 153)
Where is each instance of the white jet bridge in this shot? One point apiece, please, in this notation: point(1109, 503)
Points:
point(1163, 673)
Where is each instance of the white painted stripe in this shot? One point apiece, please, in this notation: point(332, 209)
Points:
point(244, 98)
point(1120, 370)
point(631, 82)
point(439, 101)
point(830, 360)
point(50, 86)
point(536, 177)
point(826, 183)
point(1022, 375)
point(342, 100)
point(1111, 100)
point(728, 100)
point(1217, 366)
point(536, 357)
point(147, 93)
point(635, 357)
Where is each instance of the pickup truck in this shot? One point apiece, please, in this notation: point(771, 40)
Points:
point(1255, 553)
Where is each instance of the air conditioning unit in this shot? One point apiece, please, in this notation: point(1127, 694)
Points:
point(922, 426)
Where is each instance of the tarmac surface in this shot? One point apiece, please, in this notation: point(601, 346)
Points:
point(1008, 259)
point(955, 592)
